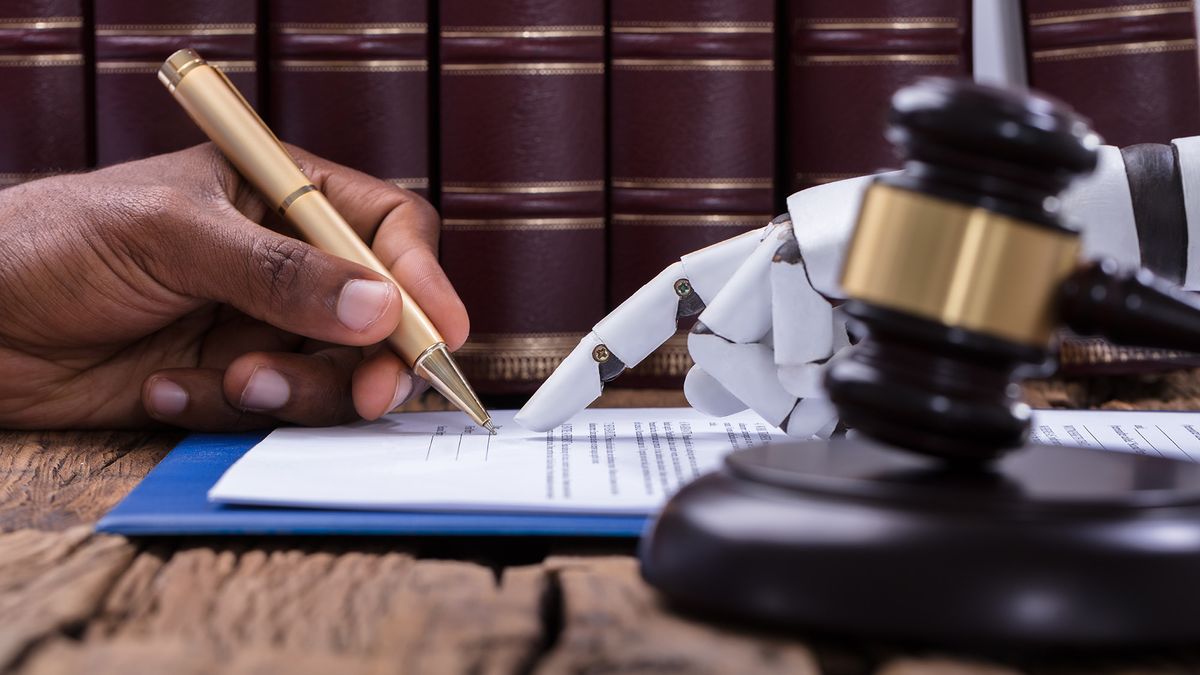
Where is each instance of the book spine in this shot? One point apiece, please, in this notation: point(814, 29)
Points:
point(135, 116)
point(349, 81)
point(43, 120)
point(692, 114)
point(522, 180)
point(1130, 68)
point(846, 61)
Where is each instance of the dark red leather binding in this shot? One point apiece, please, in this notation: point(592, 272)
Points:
point(522, 180)
point(349, 81)
point(135, 115)
point(692, 114)
point(846, 61)
point(1129, 67)
point(43, 115)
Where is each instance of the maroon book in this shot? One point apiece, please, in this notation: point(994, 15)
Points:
point(522, 180)
point(846, 61)
point(135, 115)
point(44, 116)
point(1130, 68)
point(692, 114)
point(349, 81)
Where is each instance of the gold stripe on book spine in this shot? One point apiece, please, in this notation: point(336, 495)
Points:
point(694, 183)
point(913, 23)
point(1101, 51)
point(504, 224)
point(138, 67)
point(414, 183)
point(695, 220)
point(522, 32)
point(46, 23)
point(717, 27)
point(122, 30)
point(350, 28)
point(532, 188)
point(591, 68)
point(875, 59)
point(1119, 12)
point(352, 65)
point(40, 60)
point(694, 64)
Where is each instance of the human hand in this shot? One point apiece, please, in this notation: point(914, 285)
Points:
point(164, 289)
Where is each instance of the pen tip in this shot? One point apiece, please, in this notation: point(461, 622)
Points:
point(491, 429)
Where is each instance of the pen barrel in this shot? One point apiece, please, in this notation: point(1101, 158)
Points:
point(310, 213)
point(217, 107)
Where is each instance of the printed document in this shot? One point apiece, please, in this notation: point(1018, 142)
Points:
point(1174, 435)
point(604, 461)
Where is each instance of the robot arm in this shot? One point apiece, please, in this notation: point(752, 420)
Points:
point(768, 321)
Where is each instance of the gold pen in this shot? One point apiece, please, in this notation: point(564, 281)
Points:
point(217, 107)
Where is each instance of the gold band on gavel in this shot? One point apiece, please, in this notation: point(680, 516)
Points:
point(959, 265)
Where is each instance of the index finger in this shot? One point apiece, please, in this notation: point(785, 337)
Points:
point(402, 229)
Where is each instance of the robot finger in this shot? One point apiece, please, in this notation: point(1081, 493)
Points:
point(633, 330)
point(708, 396)
point(812, 417)
point(741, 310)
point(745, 375)
point(746, 371)
point(801, 318)
point(823, 219)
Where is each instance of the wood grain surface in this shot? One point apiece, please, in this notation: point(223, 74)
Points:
point(73, 602)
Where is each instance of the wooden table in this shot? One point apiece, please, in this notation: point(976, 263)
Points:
point(72, 601)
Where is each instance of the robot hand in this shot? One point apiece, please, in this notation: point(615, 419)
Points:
point(767, 300)
point(767, 321)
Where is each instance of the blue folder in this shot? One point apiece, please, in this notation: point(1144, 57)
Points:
point(172, 500)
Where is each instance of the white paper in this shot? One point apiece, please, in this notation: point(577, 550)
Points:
point(604, 461)
point(1174, 435)
point(611, 461)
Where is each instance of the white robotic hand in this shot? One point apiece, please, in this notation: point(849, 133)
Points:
point(767, 299)
point(767, 322)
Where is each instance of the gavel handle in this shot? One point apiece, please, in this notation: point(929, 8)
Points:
point(1130, 307)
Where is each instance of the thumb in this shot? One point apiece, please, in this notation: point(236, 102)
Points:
point(282, 281)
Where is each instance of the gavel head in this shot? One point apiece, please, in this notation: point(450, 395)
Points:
point(955, 265)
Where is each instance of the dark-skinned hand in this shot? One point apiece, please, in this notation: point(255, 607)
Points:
point(161, 290)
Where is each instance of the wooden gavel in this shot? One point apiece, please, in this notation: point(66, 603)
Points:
point(961, 270)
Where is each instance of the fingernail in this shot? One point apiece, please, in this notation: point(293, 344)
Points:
point(404, 387)
point(266, 390)
point(167, 399)
point(362, 302)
